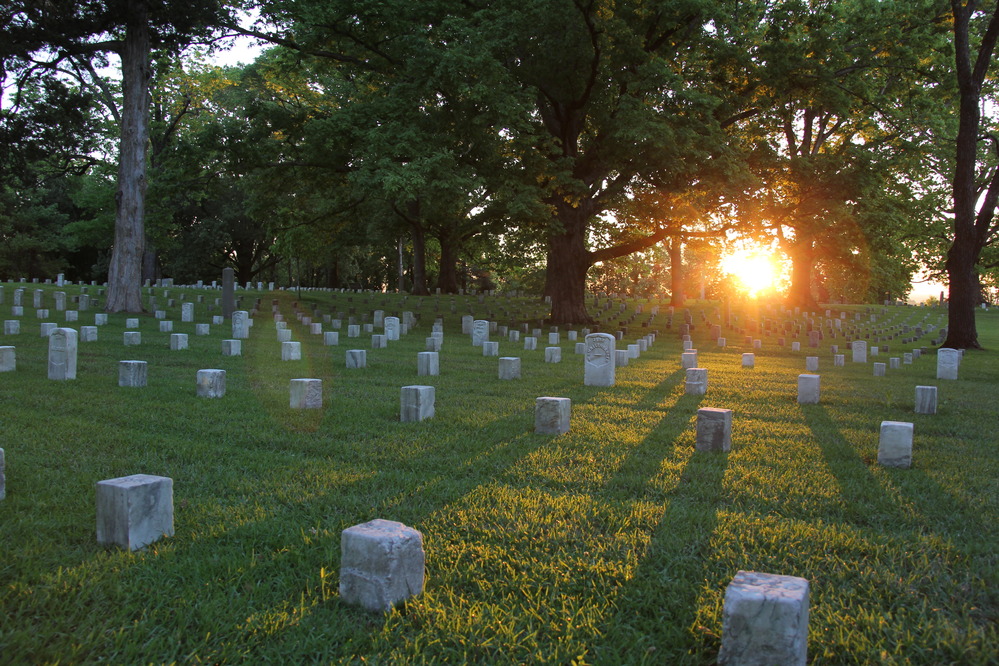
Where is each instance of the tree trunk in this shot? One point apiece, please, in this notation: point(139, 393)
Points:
point(568, 261)
point(800, 292)
point(447, 277)
point(125, 271)
point(676, 272)
point(962, 332)
point(419, 260)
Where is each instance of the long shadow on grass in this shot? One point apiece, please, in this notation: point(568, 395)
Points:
point(656, 609)
point(866, 504)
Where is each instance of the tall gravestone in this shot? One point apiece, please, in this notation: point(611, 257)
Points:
point(391, 328)
point(228, 293)
point(948, 362)
point(240, 325)
point(598, 360)
point(62, 354)
point(480, 332)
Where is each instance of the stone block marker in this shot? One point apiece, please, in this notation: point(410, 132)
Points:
point(714, 429)
point(551, 415)
point(132, 338)
point(808, 389)
point(178, 341)
point(948, 362)
point(283, 334)
point(621, 358)
point(553, 354)
point(688, 359)
point(598, 359)
point(240, 324)
point(134, 511)
point(530, 343)
point(88, 334)
point(132, 374)
point(391, 328)
point(811, 364)
point(45, 329)
point(357, 358)
point(428, 363)
point(306, 393)
point(480, 332)
point(895, 444)
point(8, 359)
point(416, 403)
point(291, 351)
point(879, 369)
point(839, 360)
point(62, 354)
point(379, 341)
point(490, 348)
point(926, 399)
point(211, 383)
point(765, 620)
point(697, 381)
point(509, 367)
point(382, 564)
point(232, 347)
point(132, 322)
point(859, 348)
point(331, 338)
point(12, 327)
point(166, 326)
point(749, 360)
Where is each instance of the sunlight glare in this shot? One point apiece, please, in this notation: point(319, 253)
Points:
point(754, 270)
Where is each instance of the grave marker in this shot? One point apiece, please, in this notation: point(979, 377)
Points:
point(765, 620)
point(552, 415)
point(134, 511)
point(62, 354)
point(382, 564)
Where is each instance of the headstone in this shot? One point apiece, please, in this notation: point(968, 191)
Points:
point(72, 315)
point(859, 348)
point(11, 327)
point(240, 324)
point(509, 367)
point(688, 359)
point(598, 363)
point(480, 332)
point(382, 564)
point(132, 338)
point(211, 383)
point(178, 341)
point(621, 358)
point(46, 328)
point(232, 347)
point(187, 312)
point(88, 334)
point(306, 393)
point(291, 351)
point(811, 364)
point(331, 338)
point(357, 358)
point(391, 328)
point(714, 429)
point(228, 293)
point(926, 399)
point(839, 360)
point(62, 354)
point(553, 354)
point(808, 389)
point(379, 341)
point(8, 359)
point(879, 369)
point(433, 343)
point(948, 362)
point(749, 360)
point(132, 322)
point(202, 329)
point(353, 330)
point(427, 363)
point(552, 415)
point(490, 348)
point(134, 511)
point(696, 382)
point(132, 374)
point(765, 620)
point(895, 444)
point(466, 324)
point(416, 403)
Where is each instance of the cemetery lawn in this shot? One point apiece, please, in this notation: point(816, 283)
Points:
point(610, 544)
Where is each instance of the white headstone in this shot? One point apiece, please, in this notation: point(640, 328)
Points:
point(357, 358)
point(480, 332)
point(382, 564)
point(895, 444)
point(62, 354)
point(948, 362)
point(211, 383)
point(232, 347)
point(926, 399)
point(391, 328)
point(331, 338)
point(427, 363)
point(132, 373)
point(808, 389)
point(134, 511)
point(765, 620)
point(416, 403)
point(8, 359)
point(859, 351)
point(509, 367)
point(552, 415)
point(291, 351)
point(240, 324)
point(696, 382)
point(714, 429)
point(306, 393)
point(598, 361)
point(178, 341)
point(553, 354)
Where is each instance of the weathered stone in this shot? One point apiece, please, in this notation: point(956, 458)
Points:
point(621, 358)
point(132, 374)
point(62, 354)
point(305, 393)
point(331, 338)
point(688, 359)
point(490, 348)
point(808, 389)
point(11, 327)
point(392, 328)
point(599, 362)
point(132, 322)
point(879, 369)
point(8, 359)
point(530, 343)
point(749, 360)
point(187, 312)
point(859, 348)
point(926, 399)
point(948, 363)
point(211, 383)
point(551, 415)
point(178, 341)
point(554, 339)
point(416, 403)
point(379, 341)
point(166, 326)
point(765, 621)
point(553, 354)
point(45, 329)
point(480, 332)
point(714, 429)
point(509, 367)
point(232, 347)
point(357, 358)
point(353, 330)
point(811, 364)
point(696, 382)
point(427, 363)
point(134, 511)
point(895, 444)
point(839, 360)
point(88, 334)
point(382, 564)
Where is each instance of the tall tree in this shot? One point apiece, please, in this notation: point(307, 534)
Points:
point(73, 37)
point(976, 177)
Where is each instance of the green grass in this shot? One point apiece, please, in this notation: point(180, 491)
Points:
point(610, 544)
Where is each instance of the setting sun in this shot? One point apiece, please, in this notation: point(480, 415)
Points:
point(754, 270)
